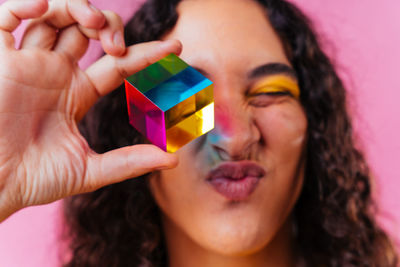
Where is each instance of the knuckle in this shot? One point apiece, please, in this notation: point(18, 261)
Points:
point(120, 69)
point(40, 6)
point(8, 20)
point(112, 17)
point(83, 13)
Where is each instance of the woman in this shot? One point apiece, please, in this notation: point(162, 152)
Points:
point(312, 201)
point(278, 182)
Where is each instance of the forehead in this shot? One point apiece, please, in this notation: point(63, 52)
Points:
point(226, 31)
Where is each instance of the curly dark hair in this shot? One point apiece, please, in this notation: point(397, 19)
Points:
point(120, 225)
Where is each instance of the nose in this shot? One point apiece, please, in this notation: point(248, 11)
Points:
point(236, 135)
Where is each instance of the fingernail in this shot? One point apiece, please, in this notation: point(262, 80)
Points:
point(172, 163)
point(119, 39)
point(168, 43)
point(164, 168)
point(93, 7)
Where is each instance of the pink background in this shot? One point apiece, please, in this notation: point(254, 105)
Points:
point(363, 39)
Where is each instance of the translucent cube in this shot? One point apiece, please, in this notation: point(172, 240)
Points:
point(170, 103)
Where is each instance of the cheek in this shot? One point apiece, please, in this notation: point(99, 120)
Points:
point(283, 129)
point(178, 190)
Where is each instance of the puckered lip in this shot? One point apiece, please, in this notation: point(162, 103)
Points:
point(236, 170)
point(236, 181)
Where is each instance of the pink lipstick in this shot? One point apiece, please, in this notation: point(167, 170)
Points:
point(236, 180)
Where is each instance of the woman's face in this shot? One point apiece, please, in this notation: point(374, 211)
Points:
point(235, 187)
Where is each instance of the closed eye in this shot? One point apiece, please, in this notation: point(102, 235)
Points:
point(266, 98)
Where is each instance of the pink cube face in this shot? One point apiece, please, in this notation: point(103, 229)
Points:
point(146, 117)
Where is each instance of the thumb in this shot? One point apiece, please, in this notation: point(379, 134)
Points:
point(124, 163)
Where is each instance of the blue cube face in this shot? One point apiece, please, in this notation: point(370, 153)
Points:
point(183, 96)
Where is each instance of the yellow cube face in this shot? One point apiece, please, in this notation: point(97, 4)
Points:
point(170, 103)
point(191, 127)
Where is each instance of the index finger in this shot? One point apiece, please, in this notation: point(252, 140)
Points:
point(109, 72)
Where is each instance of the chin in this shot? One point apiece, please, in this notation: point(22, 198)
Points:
point(236, 239)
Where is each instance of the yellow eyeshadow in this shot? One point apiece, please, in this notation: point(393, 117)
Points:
point(276, 83)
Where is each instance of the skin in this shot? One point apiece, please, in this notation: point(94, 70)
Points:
point(43, 157)
point(226, 40)
point(44, 93)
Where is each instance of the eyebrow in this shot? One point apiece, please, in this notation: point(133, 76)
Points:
point(272, 69)
point(264, 70)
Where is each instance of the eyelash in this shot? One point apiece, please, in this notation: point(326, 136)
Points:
point(271, 97)
point(278, 93)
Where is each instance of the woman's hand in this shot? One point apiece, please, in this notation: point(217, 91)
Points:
point(43, 94)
